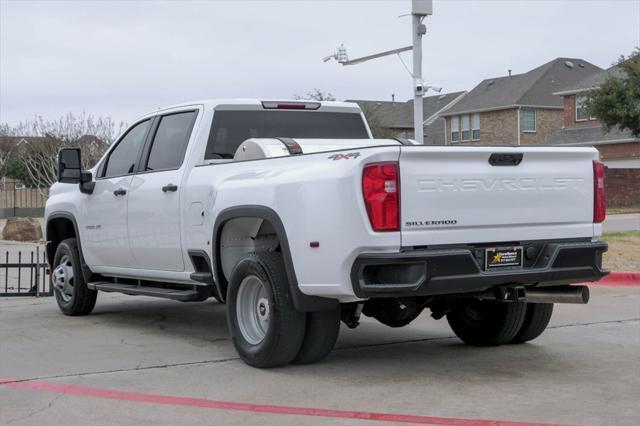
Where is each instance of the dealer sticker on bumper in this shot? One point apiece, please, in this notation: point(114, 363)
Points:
point(503, 257)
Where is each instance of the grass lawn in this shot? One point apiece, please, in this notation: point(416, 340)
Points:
point(623, 210)
point(624, 251)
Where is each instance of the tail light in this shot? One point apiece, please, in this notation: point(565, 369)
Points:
point(381, 191)
point(290, 105)
point(599, 200)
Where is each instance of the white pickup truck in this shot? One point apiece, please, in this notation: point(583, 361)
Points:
point(296, 218)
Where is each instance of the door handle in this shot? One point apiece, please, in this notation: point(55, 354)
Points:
point(119, 191)
point(170, 188)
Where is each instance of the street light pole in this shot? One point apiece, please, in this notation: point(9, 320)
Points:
point(418, 90)
point(419, 9)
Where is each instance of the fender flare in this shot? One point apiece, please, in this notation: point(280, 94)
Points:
point(301, 301)
point(87, 274)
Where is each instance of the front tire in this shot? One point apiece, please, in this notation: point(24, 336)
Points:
point(266, 329)
point(535, 322)
point(487, 323)
point(72, 294)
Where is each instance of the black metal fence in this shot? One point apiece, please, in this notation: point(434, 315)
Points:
point(18, 199)
point(24, 273)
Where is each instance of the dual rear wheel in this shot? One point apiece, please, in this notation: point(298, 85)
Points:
point(266, 329)
point(490, 323)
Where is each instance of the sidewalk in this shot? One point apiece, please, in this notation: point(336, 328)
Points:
point(622, 222)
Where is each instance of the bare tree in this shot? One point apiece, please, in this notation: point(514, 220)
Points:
point(39, 160)
point(68, 128)
point(43, 139)
point(5, 151)
point(316, 95)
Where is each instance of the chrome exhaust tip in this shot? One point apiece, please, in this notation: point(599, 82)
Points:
point(578, 294)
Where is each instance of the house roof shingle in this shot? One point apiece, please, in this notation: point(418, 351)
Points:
point(432, 105)
point(588, 135)
point(592, 82)
point(399, 115)
point(533, 88)
point(387, 114)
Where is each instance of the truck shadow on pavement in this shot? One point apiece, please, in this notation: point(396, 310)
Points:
point(428, 346)
point(174, 320)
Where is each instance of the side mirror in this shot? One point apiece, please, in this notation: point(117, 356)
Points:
point(70, 170)
point(69, 165)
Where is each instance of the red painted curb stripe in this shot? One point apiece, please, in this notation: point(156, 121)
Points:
point(43, 386)
point(619, 279)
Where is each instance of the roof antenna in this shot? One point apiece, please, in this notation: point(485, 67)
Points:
point(509, 73)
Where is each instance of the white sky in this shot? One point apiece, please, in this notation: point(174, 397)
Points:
point(124, 58)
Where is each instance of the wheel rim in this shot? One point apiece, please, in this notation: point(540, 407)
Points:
point(62, 279)
point(253, 309)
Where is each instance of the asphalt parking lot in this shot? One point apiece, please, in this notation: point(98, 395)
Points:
point(143, 361)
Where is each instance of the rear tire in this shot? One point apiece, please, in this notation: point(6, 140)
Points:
point(320, 336)
point(71, 291)
point(535, 322)
point(266, 329)
point(487, 323)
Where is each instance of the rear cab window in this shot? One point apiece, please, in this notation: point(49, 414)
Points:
point(230, 128)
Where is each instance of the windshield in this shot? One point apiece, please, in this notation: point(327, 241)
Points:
point(231, 128)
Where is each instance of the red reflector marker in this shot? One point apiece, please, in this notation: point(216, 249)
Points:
point(599, 199)
point(381, 191)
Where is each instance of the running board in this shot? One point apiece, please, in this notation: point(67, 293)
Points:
point(186, 295)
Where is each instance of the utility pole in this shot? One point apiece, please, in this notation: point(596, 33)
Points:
point(419, 9)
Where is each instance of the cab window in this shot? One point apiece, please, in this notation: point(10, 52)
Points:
point(170, 141)
point(231, 128)
point(122, 159)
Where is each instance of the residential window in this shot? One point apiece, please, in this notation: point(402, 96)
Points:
point(455, 129)
point(466, 133)
point(475, 127)
point(581, 108)
point(528, 120)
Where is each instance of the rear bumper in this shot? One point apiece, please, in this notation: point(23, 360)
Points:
point(459, 270)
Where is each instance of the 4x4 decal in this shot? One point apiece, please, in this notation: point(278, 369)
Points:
point(344, 156)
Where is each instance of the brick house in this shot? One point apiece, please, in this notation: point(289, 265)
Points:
point(618, 148)
point(395, 119)
point(518, 109)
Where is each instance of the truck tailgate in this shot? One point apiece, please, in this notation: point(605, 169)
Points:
point(452, 195)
